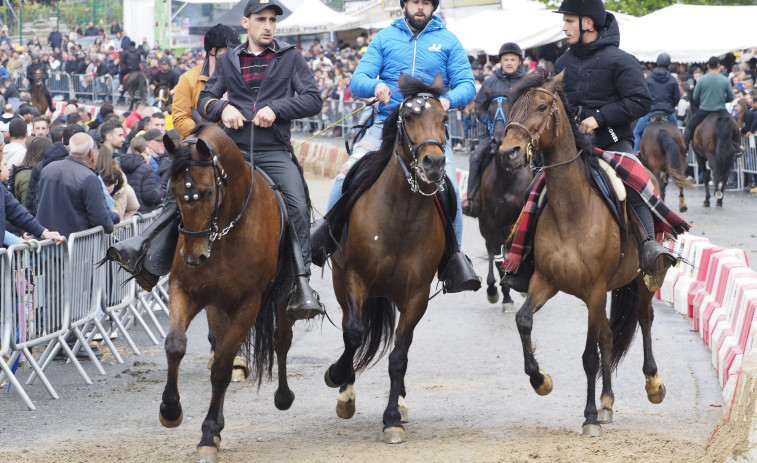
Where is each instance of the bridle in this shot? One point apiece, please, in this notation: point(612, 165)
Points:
point(499, 115)
point(220, 180)
point(416, 104)
point(534, 137)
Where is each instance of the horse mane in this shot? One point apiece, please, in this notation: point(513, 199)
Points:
point(360, 179)
point(518, 110)
point(183, 156)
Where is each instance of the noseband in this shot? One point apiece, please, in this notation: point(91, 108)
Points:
point(499, 115)
point(534, 137)
point(416, 104)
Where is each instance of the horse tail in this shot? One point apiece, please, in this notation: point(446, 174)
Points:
point(724, 147)
point(624, 318)
point(673, 154)
point(378, 331)
point(258, 347)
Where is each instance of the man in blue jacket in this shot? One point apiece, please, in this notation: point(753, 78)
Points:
point(665, 96)
point(420, 45)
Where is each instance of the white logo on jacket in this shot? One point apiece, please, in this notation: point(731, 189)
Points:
point(435, 47)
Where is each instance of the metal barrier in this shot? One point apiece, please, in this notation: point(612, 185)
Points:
point(744, 164)
point(81, 88)
point(59, 83)
point(149, 299)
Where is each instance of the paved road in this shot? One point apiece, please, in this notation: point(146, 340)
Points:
point(469, 399)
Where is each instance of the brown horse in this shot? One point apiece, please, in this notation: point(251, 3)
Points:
point(716, 142)
point(391, 251)
point(135, 84)
point(578, 247)
point(39, 95)
point(229, 224)
point(502, 198)
point(163, 97)
point(664, 153)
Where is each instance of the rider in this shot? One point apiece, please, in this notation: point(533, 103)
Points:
point(190, 84)
point(510, 60)
point(130, 60)
point(165, 77)
point(31, 69)
point(420, 45)
point(711, 92)
point(280, 89)
point(665, 96)
point(607, 92)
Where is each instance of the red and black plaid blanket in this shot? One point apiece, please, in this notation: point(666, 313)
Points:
point(631, 172)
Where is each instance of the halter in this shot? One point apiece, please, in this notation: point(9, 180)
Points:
point(416, 104)
point(219, 179)
point(499, 115)
point(534, 137)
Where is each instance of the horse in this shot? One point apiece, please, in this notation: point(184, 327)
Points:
point(501, 198)
point(228, 222)
point(134, 83)
point(578, 247)
point(39, 95)
point(163, 97)
point(716, 142)
point(390, 252)
point(663, 152)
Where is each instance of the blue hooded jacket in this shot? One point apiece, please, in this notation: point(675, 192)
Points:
point(394, 50)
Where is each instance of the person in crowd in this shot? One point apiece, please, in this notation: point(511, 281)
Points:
point(91, 31)
point(41, 126)
point(21, 174)
point(141, 109)
point(12, 95)
point(711, 93)
point(60, 136)
point(156, 148)
point(115, 28)
point(402, 47)
point(54, 38)
point(140, 175)
point(16, 149)
point(663, 88)
point(113, 138)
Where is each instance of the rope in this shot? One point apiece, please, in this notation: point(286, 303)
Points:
point(367, 105)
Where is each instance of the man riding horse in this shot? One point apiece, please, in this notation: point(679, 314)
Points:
point(31, 69)
point(665, 93)
point(130, 61)
point(711, 93)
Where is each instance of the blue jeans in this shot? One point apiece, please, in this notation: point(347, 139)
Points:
point(642, 124)
point(371, 142)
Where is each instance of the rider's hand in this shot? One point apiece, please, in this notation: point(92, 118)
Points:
point(382, 93)
point(264, 117)
point(445, 103)
point(152, 87)
point(232, 118)
point(588, 125)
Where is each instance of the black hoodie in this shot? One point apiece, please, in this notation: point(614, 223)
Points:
point(664, 90)
point(55, 152)
point(607, 83)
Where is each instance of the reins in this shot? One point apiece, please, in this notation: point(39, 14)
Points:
point(367, 105)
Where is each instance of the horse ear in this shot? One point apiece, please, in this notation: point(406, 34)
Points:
point(556, 81)
point(403, 79)
point(169, 144)
point(438, 80)
point(203, 148)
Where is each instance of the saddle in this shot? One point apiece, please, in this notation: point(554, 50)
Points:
point(657, 116)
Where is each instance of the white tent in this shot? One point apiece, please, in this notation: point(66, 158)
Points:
point(690, 32)
point(313, 17)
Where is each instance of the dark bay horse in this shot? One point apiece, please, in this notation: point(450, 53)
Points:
point(163, 97)
point(578, 249)
point(389, 255)
point(664, 153)
point(716, 142)
point(135, 83)
point(226, 261)
point(39, 94)
point(502, 198)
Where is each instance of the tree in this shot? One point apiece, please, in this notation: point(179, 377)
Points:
point(644, 7)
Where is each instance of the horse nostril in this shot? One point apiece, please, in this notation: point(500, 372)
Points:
point(512, 153)
point(431, 162)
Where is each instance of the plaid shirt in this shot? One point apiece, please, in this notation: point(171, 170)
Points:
point(253, 66)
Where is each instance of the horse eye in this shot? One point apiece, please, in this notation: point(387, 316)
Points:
point(408, 117)
point(542, 107)
point(446, 118)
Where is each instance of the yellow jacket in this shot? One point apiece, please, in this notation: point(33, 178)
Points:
point(185, 96)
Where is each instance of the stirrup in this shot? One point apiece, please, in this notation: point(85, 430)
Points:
point(322, 242)
point(459, 275)
point(304, 302)
point(519, 281)
point(655, 258)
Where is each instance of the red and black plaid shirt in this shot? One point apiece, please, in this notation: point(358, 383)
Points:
point(253, 66)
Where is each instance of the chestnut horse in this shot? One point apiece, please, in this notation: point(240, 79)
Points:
point(502, 198)
point(38, 93)
point(395, 241)
point(664, 153)
point(716, 142)
point(578, 247)
point(226, 261)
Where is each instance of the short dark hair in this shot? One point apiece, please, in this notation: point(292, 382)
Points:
point(109, 127)
point(106, 108)
point(713, 62)
point(73, 118)
point(57, 133)
point(69, 132)
point(44, 119)
point(158, 115)
point(23, 110)
point(17, 128)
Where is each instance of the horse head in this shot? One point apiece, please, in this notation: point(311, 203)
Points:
point(422, 117)
point(497, 106)
point(533, 125)
point(39, 78)
point(200, 185)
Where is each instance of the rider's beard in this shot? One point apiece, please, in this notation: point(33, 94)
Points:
point(415, 24)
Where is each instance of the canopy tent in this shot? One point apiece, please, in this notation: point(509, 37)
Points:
point(690, 33)
point(232, 18)
point(313, 17)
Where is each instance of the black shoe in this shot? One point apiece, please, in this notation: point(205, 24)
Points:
point(655, 257)
point(81, 355)
point(129, 253)
point(322, 242)
point(304, 302)
point(520, 281)
point(459, 275)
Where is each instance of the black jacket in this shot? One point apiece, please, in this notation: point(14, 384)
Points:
point(55, 152)
point(15, 213)
point(141, 177)
point(664, 90)
point(130, 59)
point(168, 79)
point(497, 85)
point(288, 88)
point(55, 39)
point(607, 83)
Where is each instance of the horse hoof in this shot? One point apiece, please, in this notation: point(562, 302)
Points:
point(492, 298)
point(327, 378)
point(207, 454)
point(508, 307)
point(605, 415)
point(719, 203)
point(171, 424)
point(546, 386)
point(237, 375)
point(394, 435)
point(211, 358)
point(683, 208)
point(403, 415)
point(718, 195)
point(217, 441)
point(345, 402)
point(282, 400)
point(657, 396)
point(592, 430)
point(706, 204)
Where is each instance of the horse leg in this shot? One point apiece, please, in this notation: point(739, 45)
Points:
point(682, 207)
point(662, 181)
point(607, 399)
point(182, 312)
point(282, 341)
point(655, 387)
point(342, 373)
point(508, 305)
point(706, 177)
point(538, 295)
point(491, 289)
point(598, 325)
point(720, 191)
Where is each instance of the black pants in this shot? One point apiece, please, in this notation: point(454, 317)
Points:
point(697, 119)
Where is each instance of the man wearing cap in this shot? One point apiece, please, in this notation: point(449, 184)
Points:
point(499, 84)
point(268, 83)
point(665, 96)
point(165, 77)
point(420, 45)
point(187, 91)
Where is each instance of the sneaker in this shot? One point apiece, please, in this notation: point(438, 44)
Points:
point(458, 147)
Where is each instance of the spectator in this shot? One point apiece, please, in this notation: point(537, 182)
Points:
point(11, 95)
point(140, 110)
point(113, 138)
point(54, 38)
point(115, 28)
point(16, 149)
point(140, 175)
point(91, 31)
point(60, 136)
point(70, 192)
point(125, 202)
point(21, 174)
point(4, 39)
point(105, 110)
point(7, 117)
point(157, 121)
point(41, 126)
point(155, 147)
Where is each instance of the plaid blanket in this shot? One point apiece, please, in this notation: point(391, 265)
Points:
point(631, 172)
